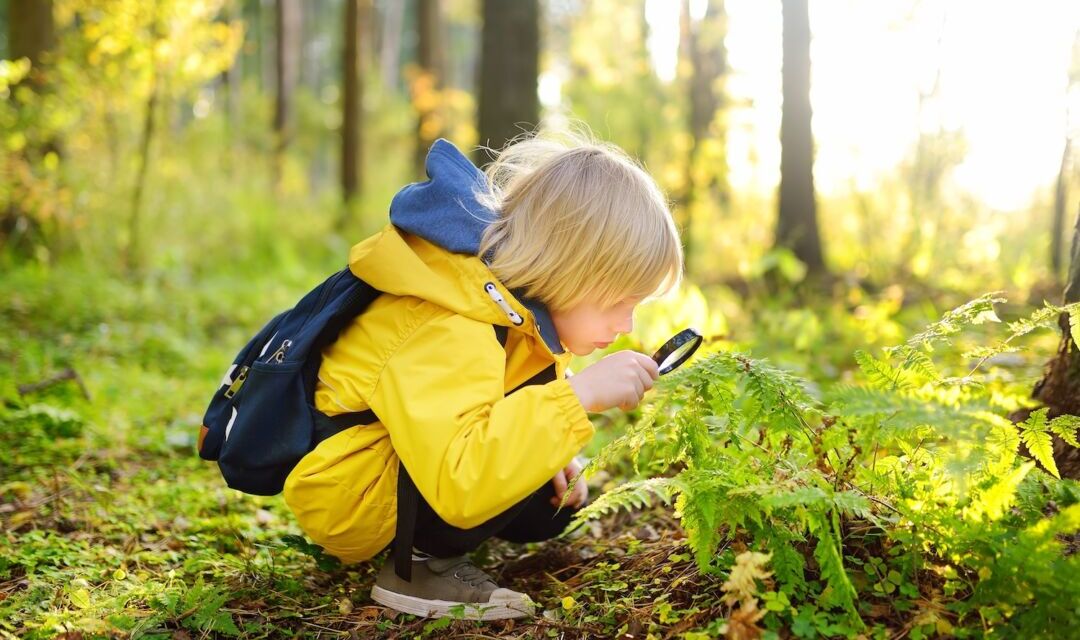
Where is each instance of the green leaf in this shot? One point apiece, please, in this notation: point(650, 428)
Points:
point(881, 374)
point(1045, 317)
point(437, 625)
point(637, 494)
point(1065, 427)
point(994, 501)
point(222, 622)
point(1034, 433)
point(80, 598)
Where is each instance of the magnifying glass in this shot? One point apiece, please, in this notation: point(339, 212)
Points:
point(677, 350)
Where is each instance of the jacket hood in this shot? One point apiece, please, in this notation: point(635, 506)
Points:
point(430, 250)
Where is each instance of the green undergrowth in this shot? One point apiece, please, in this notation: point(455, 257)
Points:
point(829, 503)
point(898, 499)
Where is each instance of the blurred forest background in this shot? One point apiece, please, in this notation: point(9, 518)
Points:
point(170, 135)
point(174, 172)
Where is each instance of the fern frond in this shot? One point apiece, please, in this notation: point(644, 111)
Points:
point(1034, 433)
point(829, 555)
point(976, 311)
point(1065, 428)
point(919, 363)
point(1041, 319)
point(849, 502)
point(802, 496)
point(637, 494)
point(881, 374)
point(653, 419)
point(984, 352)
point(993, 501)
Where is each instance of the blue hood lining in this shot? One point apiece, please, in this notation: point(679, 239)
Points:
point(445, 211)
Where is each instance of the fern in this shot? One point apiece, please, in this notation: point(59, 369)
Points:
point(993, 501)
point(637, 494)
point(1041, 319)
point(1065, 428)
point(917, 453)
point(827, 552)
point(976, 311)
point(881, 374)
point(1035, 435)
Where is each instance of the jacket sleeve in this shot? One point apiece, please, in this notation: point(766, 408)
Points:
point(472, 452)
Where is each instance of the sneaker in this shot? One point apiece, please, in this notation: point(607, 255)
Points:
point(439, 584)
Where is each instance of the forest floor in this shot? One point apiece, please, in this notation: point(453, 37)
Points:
point(111, 526)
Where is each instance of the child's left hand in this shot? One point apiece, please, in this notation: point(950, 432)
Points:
point(562, 479)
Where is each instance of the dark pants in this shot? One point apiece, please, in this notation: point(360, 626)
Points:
point(531, 520)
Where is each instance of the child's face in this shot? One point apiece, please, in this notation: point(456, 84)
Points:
point(588, 326)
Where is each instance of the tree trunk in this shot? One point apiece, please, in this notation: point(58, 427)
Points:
point(1072, 289)
point(229, 84)
point(509, 65)
point(797, 227)
point(287, 58)
point(133, 251)
point(427, 83)
point(390, 51)
point(1057, 224)
point(702, 46)
point(350, 131)
point(1059, 389)
point(31, 34)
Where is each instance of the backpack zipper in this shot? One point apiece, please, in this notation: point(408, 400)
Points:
point(279, 355)
point(241, 376)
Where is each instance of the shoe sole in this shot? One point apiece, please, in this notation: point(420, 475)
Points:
point(441, 608)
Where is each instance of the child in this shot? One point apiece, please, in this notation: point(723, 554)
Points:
point(490, 283)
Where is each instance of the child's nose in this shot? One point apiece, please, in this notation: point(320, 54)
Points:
point(626, 325)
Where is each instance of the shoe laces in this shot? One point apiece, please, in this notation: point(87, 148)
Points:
point(469, 573)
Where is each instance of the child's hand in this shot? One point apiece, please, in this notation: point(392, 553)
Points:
point(581, 490)
point(619, 380)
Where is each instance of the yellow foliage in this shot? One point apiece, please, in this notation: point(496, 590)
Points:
point(993, 502)
point(741, 585)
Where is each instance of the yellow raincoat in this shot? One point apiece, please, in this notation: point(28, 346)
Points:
point(425, 358)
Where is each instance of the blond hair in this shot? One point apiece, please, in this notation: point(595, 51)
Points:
point(578, 219)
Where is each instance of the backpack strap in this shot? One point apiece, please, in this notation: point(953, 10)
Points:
point(327, 426)
point(409, 498)
point(501, 334)
point(405, 530)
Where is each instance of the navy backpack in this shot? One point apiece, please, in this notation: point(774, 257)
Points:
point(262, 418)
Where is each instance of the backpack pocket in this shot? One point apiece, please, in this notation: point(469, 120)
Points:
point(260, 445)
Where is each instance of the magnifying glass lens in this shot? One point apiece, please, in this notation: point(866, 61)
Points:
point(678, 355)
point(677, 350)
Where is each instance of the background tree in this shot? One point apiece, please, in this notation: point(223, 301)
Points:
point(702, 48)
point(352, 96)
point(509, 66)
point(1061, 190)
point(287, 66)
point(31, 35)
point(1059, 388)
point(427, 78)
point(797, 226)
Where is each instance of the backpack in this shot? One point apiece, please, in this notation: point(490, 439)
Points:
point(262, 418)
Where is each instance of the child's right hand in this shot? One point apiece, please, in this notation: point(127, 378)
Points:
point(618, 380)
